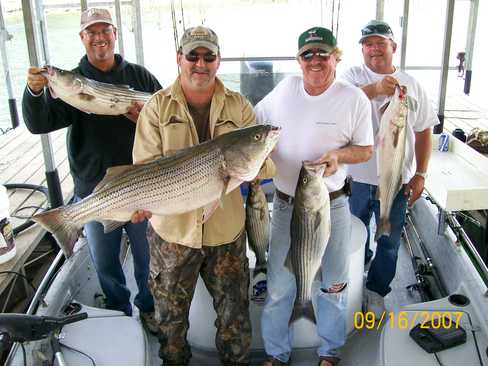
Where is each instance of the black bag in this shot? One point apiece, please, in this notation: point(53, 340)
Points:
point(437, 339)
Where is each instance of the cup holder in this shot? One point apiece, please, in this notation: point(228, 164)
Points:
point(458, 300)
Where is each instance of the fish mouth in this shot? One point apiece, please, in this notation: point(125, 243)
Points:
point(48, 70)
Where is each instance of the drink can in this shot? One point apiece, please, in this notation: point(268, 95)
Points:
point(444, 142)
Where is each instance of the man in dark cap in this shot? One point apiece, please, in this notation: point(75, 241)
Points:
point(324, 122)
point(378, 78)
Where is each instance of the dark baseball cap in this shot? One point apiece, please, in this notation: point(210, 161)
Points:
point(316, 37)
point(376, 28)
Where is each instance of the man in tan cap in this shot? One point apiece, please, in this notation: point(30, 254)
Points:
point(95, 143)
point(197, 108)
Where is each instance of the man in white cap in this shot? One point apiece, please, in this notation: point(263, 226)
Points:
point(378, 78)
point(95, 143)
point(197, 108)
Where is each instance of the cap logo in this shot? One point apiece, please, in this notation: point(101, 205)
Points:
point(313, 36)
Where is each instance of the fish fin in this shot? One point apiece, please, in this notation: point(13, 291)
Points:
point(317, 221)
point(288, 263)
point(384, 107)
point(384, 228)
point(377, 195)
point(226, 180)
point(124, 86)
point(111, 225)
point(53, 93)
point(263, 212)
point(210, 208)
point(86, 97)
point(303, 311)
point(63, 228)
point(259, 269)
point(318, 275)
point(111, 174)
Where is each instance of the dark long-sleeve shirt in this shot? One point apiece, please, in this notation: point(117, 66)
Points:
point(95, 142)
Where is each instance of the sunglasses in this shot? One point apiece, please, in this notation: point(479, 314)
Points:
point(308, 55)
point(377, 29)
point(207, 57)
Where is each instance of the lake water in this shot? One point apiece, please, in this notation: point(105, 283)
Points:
point(256, 28)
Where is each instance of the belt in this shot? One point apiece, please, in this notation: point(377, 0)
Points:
point(289, 199)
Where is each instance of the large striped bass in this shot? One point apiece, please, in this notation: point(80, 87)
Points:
point(257, 225)
point(391, 144)
point(309, 232)
point(194, 177)
point(91, 96)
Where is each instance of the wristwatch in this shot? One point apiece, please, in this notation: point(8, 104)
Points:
point(421, 174)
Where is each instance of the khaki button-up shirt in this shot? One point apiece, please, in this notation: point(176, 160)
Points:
point(165, 126)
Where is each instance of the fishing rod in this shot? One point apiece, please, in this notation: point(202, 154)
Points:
point(430, 269)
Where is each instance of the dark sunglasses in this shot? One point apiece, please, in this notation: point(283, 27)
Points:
point(207, 57)
point(308, 55)
point(377, 29)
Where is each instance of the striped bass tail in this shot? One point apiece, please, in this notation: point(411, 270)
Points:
point(303, 311)
point(61, 226)
point(259, 269)
point(384, 228)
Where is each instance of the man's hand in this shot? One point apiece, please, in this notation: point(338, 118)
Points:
point(386, 86)
point(35, 80)
point(133, 112)
point(414, 189)
point(330, 160)
point(139, 216)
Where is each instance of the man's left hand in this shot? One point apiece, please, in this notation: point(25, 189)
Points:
point(133, 112)
point(330, 160)
point(414, 189)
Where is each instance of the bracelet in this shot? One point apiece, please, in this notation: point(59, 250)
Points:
point(421, 174)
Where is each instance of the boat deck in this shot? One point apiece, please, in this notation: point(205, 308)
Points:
point(22, 162)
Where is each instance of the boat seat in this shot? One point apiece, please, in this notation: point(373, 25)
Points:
point(107, 336)
point(397, 348)
point(202, 315)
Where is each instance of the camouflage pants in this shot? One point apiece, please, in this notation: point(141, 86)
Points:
point(225, 271)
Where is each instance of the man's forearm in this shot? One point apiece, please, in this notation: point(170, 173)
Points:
point(354, 154)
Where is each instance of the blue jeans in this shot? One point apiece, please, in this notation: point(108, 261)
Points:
point(330, 311)
point(363, 205)
point(105, 253)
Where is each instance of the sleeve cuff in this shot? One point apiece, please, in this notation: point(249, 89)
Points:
point(34, 94)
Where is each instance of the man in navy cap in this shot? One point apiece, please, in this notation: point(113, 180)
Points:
point(378, 78)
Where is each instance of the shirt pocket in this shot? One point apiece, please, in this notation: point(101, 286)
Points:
point(176, 134)
point(225, 125)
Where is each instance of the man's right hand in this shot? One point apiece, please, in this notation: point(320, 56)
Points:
point(35, 80)
point(139, 216)
point(386, 86)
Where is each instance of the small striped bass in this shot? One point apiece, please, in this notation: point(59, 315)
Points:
point(257, 225)
point(391, 144)
point(194, 177)
point(309, 233)
point(91, 96)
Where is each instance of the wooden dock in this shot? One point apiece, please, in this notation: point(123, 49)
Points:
point(22, 161)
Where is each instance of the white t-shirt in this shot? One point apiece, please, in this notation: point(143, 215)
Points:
point(312, 126)
point(420, 116)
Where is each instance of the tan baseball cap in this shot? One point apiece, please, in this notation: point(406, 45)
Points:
point(199, 37)
point(93, 16)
